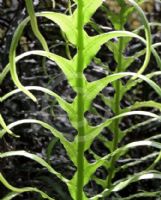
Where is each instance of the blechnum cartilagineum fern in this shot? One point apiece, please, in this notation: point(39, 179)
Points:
point(87, 48)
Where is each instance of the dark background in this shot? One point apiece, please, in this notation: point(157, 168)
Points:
point(23, 172)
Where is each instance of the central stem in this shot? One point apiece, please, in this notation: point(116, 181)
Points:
point(80, 103)
point(116, 109)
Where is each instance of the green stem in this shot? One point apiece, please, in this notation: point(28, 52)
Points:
point(18, 191)
point(35, 28)
point(34, 25)
point(80, 103)
point(116, 110)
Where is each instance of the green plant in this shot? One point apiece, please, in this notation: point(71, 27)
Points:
point(123, 62)
point(87, 47)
